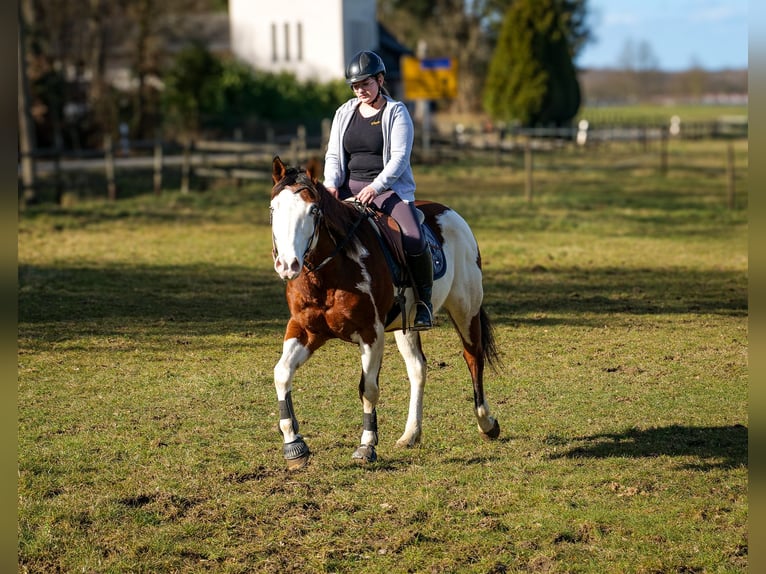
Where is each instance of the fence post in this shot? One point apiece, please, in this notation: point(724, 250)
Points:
point(301, 157)
point(582, 132)
point(528, 169)
point(205, 164)
point(241, 156)
point(57, 175)
point(111, 186)
point(185, 166)
point(326, 125)
point(663, 152)
point(157, 180)
point(731, 176)
point(28, 177)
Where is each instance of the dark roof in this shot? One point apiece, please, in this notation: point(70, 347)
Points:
point(391, 50)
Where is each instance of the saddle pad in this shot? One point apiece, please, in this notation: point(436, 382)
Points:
point(437, 253)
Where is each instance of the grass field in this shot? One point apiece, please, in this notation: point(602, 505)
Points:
point(646, 114)
point(661, 114)
point(149, 328)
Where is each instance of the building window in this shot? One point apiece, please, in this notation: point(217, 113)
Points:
point(287, 42)
point(300, 42)
point(273, 42)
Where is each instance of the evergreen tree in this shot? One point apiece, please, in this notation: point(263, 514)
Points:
point(532, 77)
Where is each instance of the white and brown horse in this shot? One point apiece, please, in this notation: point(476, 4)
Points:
point(340, 285)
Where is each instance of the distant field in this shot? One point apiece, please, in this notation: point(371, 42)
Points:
point(655, 114)
point(148, 329)
point(635, 114)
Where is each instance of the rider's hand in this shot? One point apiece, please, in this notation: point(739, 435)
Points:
point(366, 196)
point(333, 191)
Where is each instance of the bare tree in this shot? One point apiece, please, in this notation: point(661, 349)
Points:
point(450, 28)
point(80, 43)
point(98, 28)
point(640, 76)
point(26, 131)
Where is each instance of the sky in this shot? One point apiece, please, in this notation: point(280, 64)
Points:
point(712, 34)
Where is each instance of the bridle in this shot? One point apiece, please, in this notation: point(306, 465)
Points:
point(314, 212)
point(311, 244)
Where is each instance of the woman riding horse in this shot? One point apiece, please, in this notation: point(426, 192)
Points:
point(339, 286)
point(368, 157)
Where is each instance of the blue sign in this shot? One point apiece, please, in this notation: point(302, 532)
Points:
point(436, 63)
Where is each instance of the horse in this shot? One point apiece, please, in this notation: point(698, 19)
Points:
point(339, 284)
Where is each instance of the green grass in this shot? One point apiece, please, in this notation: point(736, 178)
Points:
point(149, 328)
point(660, 113)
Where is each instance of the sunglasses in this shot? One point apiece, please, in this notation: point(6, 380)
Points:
point(363, 84)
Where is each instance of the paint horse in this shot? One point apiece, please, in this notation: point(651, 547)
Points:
point(339, 284)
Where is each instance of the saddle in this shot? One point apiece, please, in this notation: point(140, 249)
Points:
point(390, 236)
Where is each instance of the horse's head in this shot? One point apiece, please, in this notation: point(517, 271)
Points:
point(295, 217)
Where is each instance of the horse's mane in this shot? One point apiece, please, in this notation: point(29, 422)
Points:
point(339, 216)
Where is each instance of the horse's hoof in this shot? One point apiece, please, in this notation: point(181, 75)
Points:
point(492, 433)
point(294, 464)
point(296, 454)
point(408, 442)
point(365, 454)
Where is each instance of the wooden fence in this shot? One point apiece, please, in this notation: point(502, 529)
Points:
point(197, 160)
point(200, 161)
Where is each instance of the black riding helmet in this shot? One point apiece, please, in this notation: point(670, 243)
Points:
point(363, 65)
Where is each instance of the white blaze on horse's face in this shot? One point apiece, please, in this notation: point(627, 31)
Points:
point(293, 222)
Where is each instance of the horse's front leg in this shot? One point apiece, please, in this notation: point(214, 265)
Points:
point(294, 354)
point(411, 350)
point(369, 391)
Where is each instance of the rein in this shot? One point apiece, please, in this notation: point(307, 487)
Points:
point(338, 246)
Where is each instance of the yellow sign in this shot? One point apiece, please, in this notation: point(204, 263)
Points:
point(429, 78)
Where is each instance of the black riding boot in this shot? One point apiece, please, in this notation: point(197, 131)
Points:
point(422, 270)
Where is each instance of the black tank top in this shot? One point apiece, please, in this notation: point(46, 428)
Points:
point(363, 143)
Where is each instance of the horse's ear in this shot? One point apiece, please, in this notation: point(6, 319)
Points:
point(313, 169)
point(278, 170)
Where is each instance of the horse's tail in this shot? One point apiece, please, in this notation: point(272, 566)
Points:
point(488, 343)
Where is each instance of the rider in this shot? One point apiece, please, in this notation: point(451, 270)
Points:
point(368, 157)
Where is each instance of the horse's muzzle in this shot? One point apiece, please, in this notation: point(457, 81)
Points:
point(287, 270)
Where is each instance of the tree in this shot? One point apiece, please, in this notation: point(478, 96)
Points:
point(450, 28)
point(468, 30)
point(639, 70)
point(203, 92)
point(72, 45)
point(532, 77)
point(26, 133)
point(192, 87)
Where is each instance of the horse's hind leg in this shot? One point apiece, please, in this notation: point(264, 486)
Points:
point(412, 352)
point(369, 391)
point(471, 334)
point(295, 450)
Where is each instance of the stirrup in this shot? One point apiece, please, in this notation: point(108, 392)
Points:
point(421, 325)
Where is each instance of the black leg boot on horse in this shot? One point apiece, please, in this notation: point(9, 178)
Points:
point(422, 272)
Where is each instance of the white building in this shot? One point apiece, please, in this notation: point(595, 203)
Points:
point(314, 39)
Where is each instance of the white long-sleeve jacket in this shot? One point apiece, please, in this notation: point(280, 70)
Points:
point(398, 137)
